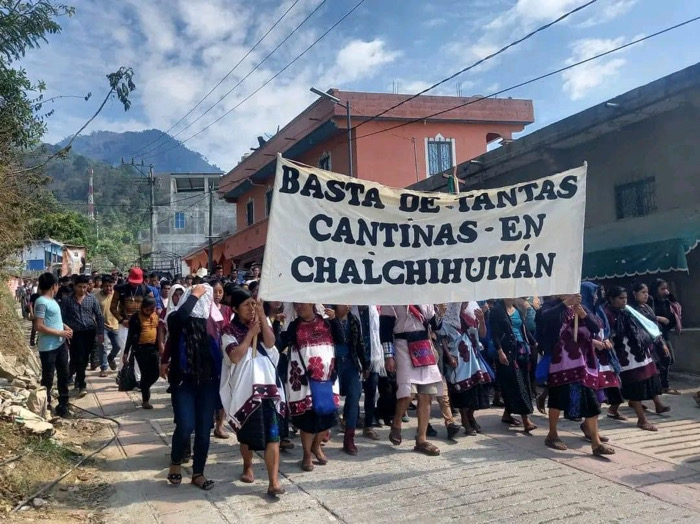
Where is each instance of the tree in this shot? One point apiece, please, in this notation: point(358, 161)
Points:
point(25, 25)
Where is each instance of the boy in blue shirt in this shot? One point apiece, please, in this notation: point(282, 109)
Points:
point(53, 334)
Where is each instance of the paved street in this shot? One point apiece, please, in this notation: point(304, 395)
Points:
point(497, 476)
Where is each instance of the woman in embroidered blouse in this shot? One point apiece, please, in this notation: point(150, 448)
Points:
point(251, 392)
point(633, 345)
point(573, 371)
point(467, 376)
point(513, 343)
point(312, 342)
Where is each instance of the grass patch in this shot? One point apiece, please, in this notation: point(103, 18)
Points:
point(41, 460)
point(13, 341)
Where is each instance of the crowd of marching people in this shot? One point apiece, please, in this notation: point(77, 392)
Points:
point(267, 370)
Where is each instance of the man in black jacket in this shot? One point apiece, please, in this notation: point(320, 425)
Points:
point(351, 362)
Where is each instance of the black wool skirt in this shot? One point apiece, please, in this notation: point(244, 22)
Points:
point(581, 401)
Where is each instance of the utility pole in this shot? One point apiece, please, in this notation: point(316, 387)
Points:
point(91, 197)
point(151, 184)
point(347, 107)
point(211, 226)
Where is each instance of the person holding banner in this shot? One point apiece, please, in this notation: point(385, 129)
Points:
point(312, 378)
point(513, 343)
point(252, 393)
point(573, 370)
point(409, 352)
point(633, 341)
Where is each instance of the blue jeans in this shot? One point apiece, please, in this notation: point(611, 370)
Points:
point(350, 388)
point(113, 337)
point(194, 407)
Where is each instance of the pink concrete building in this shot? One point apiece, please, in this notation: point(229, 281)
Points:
point(422, 147)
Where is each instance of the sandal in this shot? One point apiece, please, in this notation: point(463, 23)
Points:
point(220, 434)
point(540, 401)
point(617, 416)
point(664, 409)
point(667, 391)
point(601, 450)
point(473, 423)
point(307, 467)
point(530, 427)
point(470, 430)
point(319, 461)
point(206, 485)
point(175, 478)
point(645, 408)
point(555, 444)
point(247, 479)
point(511, 421)
point(588, 437)
point(647, 426)
point(276, 492)
point(427, 449)
point(395, 436)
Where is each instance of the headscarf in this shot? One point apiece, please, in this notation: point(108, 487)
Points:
point(171, 308)
point(589, 298)
point(205, 307)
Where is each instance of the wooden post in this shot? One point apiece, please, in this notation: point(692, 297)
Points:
point(255, 346)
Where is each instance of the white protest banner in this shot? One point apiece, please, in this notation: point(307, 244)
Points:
point(333, 239)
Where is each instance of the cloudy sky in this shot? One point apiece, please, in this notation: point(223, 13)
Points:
point(180, 49)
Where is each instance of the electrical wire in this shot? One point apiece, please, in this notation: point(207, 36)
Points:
point(535, 79)
point(222, 80)
point(270, 79)
point(481, 61)
point(182, 210)
point(51, 484)
point(239, 82)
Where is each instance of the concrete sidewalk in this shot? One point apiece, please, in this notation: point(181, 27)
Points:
point(499, 475)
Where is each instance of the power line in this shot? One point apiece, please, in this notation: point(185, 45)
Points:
point(270, 79)
point(222, 80)
point(532, 80)
point(481, 61)
point(182, 210)
point(239, 82)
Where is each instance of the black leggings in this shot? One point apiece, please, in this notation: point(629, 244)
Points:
point(147, 358)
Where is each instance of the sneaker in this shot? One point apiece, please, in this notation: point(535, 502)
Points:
point(94, 366)
point(452, 431)
point(146, 405)
point(82, 392)
point(103, 373)
point(71, 380)
point(286, 444)
point(112, 364)
point(404, 418)
point(62, 412)
point(431, 432)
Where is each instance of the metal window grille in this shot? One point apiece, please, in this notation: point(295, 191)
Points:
point(636, 199)
point(325, 162)
point(439, 156)
point(250, 212)
point(179, 220)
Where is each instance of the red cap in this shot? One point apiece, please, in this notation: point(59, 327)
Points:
point(135, 275)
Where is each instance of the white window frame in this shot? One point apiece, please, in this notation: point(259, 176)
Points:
point(250, 219)
point(438, 138)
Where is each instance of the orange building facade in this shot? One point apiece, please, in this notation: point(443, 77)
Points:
point(394, 156)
